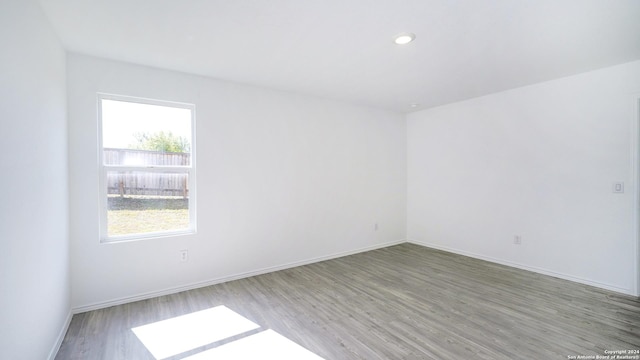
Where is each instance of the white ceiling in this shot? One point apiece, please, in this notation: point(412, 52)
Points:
point(343, 49)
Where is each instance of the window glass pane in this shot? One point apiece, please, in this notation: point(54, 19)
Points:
point(140, 202)
point(137, 134)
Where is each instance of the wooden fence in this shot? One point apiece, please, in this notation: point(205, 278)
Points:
point(144, 182)
point(144, 157)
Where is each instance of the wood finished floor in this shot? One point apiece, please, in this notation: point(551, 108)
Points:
point(400, 302)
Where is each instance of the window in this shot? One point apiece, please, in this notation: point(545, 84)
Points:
point(147, 157)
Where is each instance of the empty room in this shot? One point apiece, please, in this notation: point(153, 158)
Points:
point(321, 179)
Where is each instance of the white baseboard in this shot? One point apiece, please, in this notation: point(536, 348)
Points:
point(173, 290)
point(60, 338)
point(526, 267)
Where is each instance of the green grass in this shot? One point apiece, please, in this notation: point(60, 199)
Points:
point(139, 215)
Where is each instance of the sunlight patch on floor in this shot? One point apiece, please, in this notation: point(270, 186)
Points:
point(265, 345)
point(183, 333)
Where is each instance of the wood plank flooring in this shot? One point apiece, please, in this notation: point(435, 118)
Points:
point(400, 302)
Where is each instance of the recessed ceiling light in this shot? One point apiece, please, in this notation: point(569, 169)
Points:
point(404, 38)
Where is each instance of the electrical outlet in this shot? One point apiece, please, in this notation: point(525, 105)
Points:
point(517, 240)
point(184, 255)
point(618, 188)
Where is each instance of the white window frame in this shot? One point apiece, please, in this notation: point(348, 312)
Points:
point(190, 170)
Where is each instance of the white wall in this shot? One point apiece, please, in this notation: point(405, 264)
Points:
point(538, 162)
point(281, 178)
point(34, 263)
